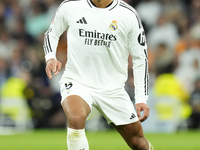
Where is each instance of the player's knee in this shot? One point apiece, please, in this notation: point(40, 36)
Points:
point(76, 121)
point(138, 143)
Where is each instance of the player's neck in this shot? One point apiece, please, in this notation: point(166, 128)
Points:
point(102, 3)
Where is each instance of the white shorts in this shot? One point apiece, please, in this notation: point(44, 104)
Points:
point(115, 106)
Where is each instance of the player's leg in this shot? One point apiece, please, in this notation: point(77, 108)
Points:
point(134, 136)
point(76, 110)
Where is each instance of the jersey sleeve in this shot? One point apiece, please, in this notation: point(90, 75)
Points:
point(138, 50)
point(52, 35)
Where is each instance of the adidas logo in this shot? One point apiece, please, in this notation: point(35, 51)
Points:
point(132, 116)
point(82, 21)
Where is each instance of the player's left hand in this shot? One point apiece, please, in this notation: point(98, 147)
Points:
point(142, 107)
point(54, 66)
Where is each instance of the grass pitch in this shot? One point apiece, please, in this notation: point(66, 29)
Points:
point(107, 140)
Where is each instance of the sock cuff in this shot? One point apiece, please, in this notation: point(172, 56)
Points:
point(150, 146)
point(75, 134)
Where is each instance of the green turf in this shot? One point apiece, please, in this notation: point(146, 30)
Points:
point(110, 140)
point(177, 141)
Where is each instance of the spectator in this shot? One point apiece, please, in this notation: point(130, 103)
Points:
point(37, 22)
point(163, 32)
point(7, 44)
point(194, 121)
point(149, 19)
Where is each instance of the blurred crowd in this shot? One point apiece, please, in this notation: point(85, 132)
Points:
point(172, 30)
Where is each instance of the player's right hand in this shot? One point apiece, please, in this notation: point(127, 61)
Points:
point(54, 66)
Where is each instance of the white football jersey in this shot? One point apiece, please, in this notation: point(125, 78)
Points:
point(99, 42)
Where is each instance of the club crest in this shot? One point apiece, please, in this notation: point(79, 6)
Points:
point(113, 26)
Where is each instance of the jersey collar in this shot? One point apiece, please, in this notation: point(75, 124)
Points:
point(109, 7)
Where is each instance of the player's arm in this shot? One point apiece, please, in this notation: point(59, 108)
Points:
point(52, 35)
point(138, 50)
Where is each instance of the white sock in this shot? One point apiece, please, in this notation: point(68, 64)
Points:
point(150, 146)
point(76, 139)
